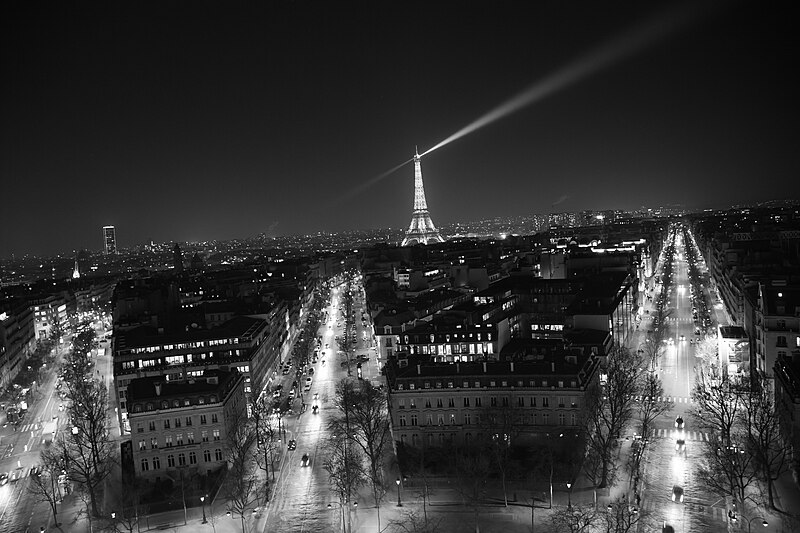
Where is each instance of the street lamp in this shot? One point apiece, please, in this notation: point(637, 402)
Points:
point(399, 503)
point(342, 507)
point(569, 495)
point(203, 504)
point(734, 518)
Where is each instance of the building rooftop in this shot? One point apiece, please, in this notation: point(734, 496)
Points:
point(552, 364)
point(155, 387)
point(143, 336)
point(732, 332)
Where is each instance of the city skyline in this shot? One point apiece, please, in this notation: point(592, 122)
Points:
point(215, 123)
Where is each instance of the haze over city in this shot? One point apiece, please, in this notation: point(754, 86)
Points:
point(204, 121)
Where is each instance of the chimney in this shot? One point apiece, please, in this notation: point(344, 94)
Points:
point(157, 385)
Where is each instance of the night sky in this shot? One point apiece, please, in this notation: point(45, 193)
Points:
point(200, 120)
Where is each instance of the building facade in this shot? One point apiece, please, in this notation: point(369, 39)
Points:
point(241, 343)
point(452, 404)
point(184, 424)
point(17, 337)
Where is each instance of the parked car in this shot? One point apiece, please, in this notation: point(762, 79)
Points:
point(292, 445)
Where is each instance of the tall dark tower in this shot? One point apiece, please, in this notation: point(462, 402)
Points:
point(421, 230)
point(177, 258)
point(110, 240)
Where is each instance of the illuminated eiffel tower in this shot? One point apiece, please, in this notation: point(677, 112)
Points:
point(421, 230)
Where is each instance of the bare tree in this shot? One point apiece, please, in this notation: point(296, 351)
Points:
point(364, 419)
point(267, 439)
point(132, 510)
point(707, 349)
point(762, 419)
point(412, 522)
point(87, 443)
point(653, 346)
point(728, 465)
point(575, 519)
point(718, 405)
point(345, 467)
point(727, 469)
point(622, 517)
point(610, 407)
point(241, 483)
point(502, 427)
point(652, 404)
point(471, 468)
point(44, 485)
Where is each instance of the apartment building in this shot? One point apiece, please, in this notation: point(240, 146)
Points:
point(449, 404)
point(183, 424)
point(243, 343)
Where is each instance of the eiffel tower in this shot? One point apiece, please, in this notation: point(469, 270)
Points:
point(421, 230)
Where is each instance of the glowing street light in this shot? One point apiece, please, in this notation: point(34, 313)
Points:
point(399, 503)
point(569, 495)
point(203, 504)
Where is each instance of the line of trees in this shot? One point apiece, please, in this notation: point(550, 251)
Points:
point(84, 453)
point(746, 448)
point(361, 441)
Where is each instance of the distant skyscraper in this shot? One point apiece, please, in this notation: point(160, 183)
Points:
point(76, 272)
point(110, 239)
point(421, 230)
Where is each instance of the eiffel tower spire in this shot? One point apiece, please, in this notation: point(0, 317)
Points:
point(421, 230)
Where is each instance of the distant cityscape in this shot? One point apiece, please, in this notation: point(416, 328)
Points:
point(213, 254)
point(494, 358)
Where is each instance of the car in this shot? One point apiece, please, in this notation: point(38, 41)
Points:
point(36, 470)
point(15, 475)
point(309, 380)
point(3, 479)
point(294, 384)
point(680, 445)
point(292, 445)
point(304, 461)
point(677, 494)
point(683, 337)
point(285, 370)
point(679, 422)
point(310, 371)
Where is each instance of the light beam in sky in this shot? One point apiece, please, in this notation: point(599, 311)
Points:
point(623, 46)
point(369, 183)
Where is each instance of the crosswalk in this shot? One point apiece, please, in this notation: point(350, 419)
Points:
point(718, 513)
point(29, 427)
point(671, 434)
point(680, 319)
point(673, 399)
